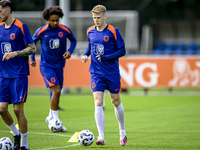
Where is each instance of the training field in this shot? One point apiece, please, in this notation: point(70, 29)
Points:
point(158, 121)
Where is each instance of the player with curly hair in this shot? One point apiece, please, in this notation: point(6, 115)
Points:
point(53, 37)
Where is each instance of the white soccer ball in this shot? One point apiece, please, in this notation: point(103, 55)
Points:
point(6, 144)
point(55, 125)
point(86, 137)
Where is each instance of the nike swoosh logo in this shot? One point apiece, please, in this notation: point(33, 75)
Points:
point(46, 35)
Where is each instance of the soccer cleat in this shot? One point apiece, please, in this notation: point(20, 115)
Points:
point(123, 141)
point(23, 148)
point(17, 142)
point(101, 141)
point(48, 119)
point(63, 129)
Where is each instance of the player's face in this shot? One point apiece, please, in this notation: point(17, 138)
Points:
point(99, 19)
point(53, 21)
point(3, 14)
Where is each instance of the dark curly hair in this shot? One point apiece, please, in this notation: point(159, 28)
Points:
point(55, 10)
point(6, 3)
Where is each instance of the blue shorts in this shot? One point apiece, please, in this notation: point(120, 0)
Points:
point(101, 83)
point(13, 90)
point(52, 76)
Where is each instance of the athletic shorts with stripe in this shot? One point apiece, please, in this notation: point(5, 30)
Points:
point(52, 76)
point(13, 90)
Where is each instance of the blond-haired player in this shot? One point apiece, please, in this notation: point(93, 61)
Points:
point(105, 45)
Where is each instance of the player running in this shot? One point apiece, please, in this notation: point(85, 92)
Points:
point(53, 37)
point(105, 45)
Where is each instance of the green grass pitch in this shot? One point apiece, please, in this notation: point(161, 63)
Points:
point(152, 122)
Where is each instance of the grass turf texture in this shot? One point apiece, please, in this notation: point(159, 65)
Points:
point(152, 122)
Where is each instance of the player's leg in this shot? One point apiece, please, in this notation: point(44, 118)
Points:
point(114, 86)
point(99, 116)
point(7, 118)
point(119, 113)
point(53, 79)
point(50, 94)
point(51, 82)
point(98, 87)
point(18, 98)
point(4, 113)
point(55, 100)
point(23, 124)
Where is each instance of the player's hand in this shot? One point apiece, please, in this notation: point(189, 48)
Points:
point(9, 55)
point(84, 58)
point(67, 55)
point(33, 63)
point(98, 57)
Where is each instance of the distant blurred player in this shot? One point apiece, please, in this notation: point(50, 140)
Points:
point(53, 37)
point(16, 45)
point(105, 47)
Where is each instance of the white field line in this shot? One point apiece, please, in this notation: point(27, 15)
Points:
point(42, 133)
point(58, 147)
point(50, 134)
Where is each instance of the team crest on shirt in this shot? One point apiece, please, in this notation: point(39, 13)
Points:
point(99, 49)
point(6, 47)
point(12, 36)
point(106, 38)
point(54, 43)
point(60, 34)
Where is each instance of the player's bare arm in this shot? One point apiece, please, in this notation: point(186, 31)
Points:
point(30, 49)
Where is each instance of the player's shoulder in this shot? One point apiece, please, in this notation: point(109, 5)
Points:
point(90, 28)
point(41, 29)
point(19, 23)
point(44, 27)
point(2, 23)
point(23, 27)
point(65, 28)
point(113, 29)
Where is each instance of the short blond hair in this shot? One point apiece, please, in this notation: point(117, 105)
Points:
point(98, 9)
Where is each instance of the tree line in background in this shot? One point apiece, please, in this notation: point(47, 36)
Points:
point(148, 9)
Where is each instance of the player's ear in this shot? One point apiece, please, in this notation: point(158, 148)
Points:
point(8, 10)
point(105, 16)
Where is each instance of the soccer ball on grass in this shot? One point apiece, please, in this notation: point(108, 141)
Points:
point(86, 137)
point(55, 125)
point(6, 144)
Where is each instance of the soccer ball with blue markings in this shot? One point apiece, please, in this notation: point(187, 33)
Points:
point(55, 125)
point(86, 137)
point(6, 144)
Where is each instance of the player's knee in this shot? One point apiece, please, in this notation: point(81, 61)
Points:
point(98, 103)
point(115, 102)
point(18, 112)
point(56, 92)
point(2, 110)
